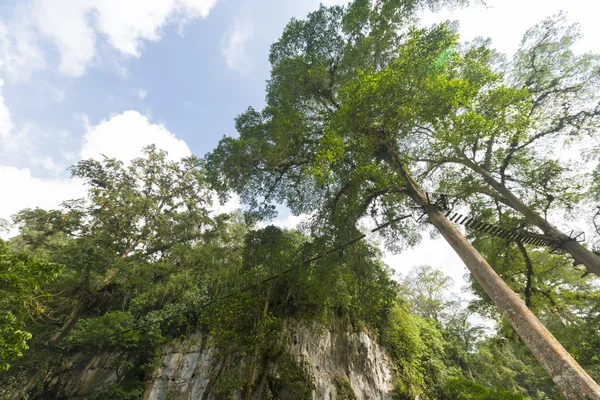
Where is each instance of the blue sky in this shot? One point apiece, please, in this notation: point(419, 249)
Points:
point(82, 78)
point(194, 77)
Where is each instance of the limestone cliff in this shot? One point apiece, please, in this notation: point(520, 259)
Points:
point(310, 361)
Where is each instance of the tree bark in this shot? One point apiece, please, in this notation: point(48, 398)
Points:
point(529, 268)
point(81, 307)
point(580, 254)
point(568, 375)
point(75, 315)
point(254, 362)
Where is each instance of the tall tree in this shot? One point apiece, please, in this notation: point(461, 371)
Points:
point(508, 144)
point(134, 214)
point(348, 89)
point(595, 199)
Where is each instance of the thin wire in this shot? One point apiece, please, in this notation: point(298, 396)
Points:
point(249, 287)
point(453, 217)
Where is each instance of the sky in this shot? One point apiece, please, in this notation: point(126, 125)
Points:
point(85, 78)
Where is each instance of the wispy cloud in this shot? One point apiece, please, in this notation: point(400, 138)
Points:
point(6, 124)
point(14, 141)
point(234, 45)
point(73, 30)
point(141, 94)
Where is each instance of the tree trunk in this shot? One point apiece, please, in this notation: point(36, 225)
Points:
point(71, 321)
point(254, 361)
point(38, 376)
point(580, 254)
point(82, 307)
point(529, 267)
point(208, 390)
point(570, 378)
point(79, 310)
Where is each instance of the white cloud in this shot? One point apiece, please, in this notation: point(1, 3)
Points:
point(66, 26)
point(12, 141)
point(74, 28)
point(127, 23)
point(230, 205)
point(48, 163)
point(19, 51)
point(288, 220)
point(124, 135)
point(27, 191)
point(234, 45)
point(141, 94)
point(6, 124)
point(506, 26)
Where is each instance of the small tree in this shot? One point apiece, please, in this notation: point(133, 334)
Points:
point(425, 287)
point(22, 298)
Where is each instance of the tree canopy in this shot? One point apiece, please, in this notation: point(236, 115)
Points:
point(23, 299)
point(359, 121)
point(364, 112)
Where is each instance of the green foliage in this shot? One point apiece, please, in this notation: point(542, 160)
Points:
point(291, 381)
point(424, 288)
point(118, 392)
point(22, 299)
point(113, 330)
point(344, 389)
point(147, 207)
point(583, 339)
point(595, 199)
point(418, 349)
point(152, 299)
point(464, 389)
point(141, 250)
point(355, 108)
point(320, 144)
point(121, 243)
point(562, 299)
point(547, 93)
point(357, 97)
point(14, 340)
point(507, 364)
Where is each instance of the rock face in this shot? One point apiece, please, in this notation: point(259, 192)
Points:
point(337, 364)
point(333, 358)
point(188, 370)
point(311, 362)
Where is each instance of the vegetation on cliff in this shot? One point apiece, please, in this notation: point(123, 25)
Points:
point(363, 110)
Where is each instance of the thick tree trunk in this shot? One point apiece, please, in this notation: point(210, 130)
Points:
point(580, 254)
point(570, 378)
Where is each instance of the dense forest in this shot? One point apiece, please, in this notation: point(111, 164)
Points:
point(363, 111)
